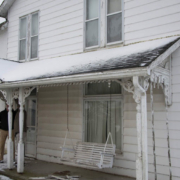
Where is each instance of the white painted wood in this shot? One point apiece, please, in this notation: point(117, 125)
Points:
point(150, 7)
point(3, 41)
point(61, 21)
point(10, 149)
point(20, 158)
point(58, 20)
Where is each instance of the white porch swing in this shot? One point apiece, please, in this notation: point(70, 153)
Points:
point(94, 155)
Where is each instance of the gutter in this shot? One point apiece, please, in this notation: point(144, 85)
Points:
point(106, 75)
point(5, 6)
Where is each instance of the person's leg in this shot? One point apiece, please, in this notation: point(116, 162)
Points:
point(13, 143)
point(3, 136)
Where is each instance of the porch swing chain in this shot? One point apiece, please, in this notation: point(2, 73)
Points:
point(67, 108)
point(67, 120)
point(109, 134)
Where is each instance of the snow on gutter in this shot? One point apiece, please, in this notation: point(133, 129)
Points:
point(5, 6)
point(4, 25)
point(106, 75)
point(116, 63)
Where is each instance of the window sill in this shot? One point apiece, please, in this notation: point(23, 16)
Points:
point(107, 46)
point(25, 61)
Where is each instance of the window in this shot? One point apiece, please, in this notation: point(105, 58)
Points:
point(28, 37)
point(114, 21)
point(103, 22)
point(102, 113)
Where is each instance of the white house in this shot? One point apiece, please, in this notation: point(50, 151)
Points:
point(94, 67)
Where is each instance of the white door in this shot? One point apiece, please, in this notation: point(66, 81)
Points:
point(30, 142)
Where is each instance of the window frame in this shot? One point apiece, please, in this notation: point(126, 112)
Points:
point(106, 97)
point(122, 10)
point(102, 26)
point(26, 16)
point(84, 27)
point(28, 36)
point(37, 12)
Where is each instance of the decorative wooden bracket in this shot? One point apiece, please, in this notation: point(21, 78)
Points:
point(162, 77)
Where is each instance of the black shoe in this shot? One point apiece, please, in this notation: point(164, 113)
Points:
point(1, 161)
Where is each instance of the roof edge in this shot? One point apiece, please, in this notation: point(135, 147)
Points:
point(163, 56)
point(112, 74)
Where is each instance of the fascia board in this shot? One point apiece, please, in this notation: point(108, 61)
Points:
point(116, 74)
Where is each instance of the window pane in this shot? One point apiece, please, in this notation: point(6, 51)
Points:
point(92, 33)
point(34, 26)
point(22, 50)
point(34, 47)
point(92, 9)
point(102, 88)
point(114, 28)
point(31, 113)
point(102, 118)
point(31, 134)
point(114, 6)
point(23, 26)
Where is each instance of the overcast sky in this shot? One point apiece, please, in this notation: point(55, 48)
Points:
point(1, 19)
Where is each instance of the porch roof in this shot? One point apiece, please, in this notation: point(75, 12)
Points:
point(126, 61)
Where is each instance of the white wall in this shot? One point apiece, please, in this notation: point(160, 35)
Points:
point(3, 54)
point(52, 120)
point(61, 26)
point(3, 43)
point(61, 33)
point(151, 19)
point(52, 127)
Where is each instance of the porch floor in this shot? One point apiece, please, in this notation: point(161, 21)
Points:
point(37, 168)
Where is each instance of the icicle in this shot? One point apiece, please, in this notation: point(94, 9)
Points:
point(153, 132)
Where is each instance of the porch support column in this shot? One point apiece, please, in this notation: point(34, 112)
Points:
point(10, 143)
point(20, 160)
point(141, 121)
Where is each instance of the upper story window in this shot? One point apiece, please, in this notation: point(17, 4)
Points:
point(28, 37)
point(103, 23)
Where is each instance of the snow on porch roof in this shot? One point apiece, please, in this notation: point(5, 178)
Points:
point(132, 56)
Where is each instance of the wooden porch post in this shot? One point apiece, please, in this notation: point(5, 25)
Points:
point(10, 143)
point(20, 160)
point(141, 121)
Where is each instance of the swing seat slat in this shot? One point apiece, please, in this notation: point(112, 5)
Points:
point(93, 154)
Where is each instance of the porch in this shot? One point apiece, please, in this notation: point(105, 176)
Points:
point(37, 168)
point(133, 67)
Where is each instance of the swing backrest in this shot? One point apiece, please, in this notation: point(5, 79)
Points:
point(91, 153)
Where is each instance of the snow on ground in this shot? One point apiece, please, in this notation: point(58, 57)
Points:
point(141, 54)
point(3, 165)
point(4, 178)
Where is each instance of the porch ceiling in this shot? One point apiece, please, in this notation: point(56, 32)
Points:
point(127, 61)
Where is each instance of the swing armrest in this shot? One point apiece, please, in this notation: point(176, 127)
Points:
point(107, 154)
point(67, 149)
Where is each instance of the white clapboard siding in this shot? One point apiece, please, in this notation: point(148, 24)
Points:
point(151, 19)
point(129, 133)
point(60, 27)
point(3, 43)
point(52, 118)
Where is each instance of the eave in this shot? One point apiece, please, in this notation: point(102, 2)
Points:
point(104, 75)
point(4, 8)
